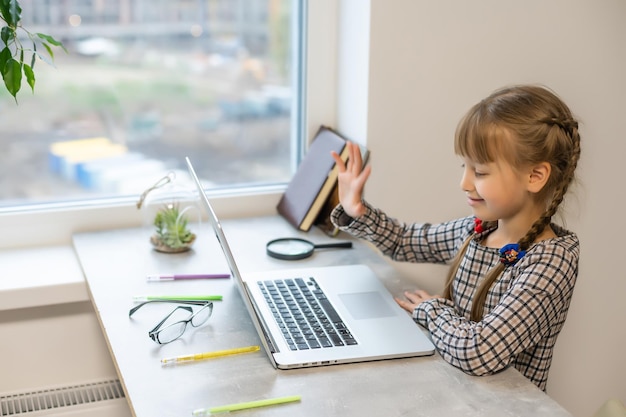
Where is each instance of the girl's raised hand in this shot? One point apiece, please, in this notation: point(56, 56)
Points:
point(351, 179)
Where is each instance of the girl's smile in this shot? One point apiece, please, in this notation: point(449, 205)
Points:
point(473, 201)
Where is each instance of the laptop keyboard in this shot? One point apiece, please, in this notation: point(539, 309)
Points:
point(305, 316)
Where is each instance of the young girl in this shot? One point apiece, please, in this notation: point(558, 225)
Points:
point(512, 270)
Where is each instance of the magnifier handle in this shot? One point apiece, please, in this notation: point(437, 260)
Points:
point(334, 245)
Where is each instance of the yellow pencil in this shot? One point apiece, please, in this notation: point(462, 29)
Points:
point(209, 355)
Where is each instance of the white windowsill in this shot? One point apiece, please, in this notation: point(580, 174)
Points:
point(42, 268)
point(41, 276)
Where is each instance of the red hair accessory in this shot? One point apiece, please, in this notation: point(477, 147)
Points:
point(478, 225)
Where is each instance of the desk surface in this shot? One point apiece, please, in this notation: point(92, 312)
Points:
point(116, 263)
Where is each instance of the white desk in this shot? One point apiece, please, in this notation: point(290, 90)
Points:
point(116, 263)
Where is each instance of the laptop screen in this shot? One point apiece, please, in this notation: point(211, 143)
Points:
point(221, 238)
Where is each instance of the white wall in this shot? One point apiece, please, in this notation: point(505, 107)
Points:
point(429, 61)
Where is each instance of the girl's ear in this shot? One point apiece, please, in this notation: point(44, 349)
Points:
point(538, 176)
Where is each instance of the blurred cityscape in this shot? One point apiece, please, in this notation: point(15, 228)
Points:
point(144, 84)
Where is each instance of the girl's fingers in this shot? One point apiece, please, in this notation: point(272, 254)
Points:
point(405, 305)
point(418, 296)
point(340, 164)
point(354, 162)
point(414, 297)
point(364, 176)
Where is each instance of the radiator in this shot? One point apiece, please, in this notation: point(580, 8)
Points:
point(100, 398)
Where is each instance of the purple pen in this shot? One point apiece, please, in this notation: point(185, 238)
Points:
point(151, 278)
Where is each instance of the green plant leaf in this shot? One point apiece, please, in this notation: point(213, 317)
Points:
point(45, 59)
point(5, 12)
point(30, 76)
point(12, 63)
point(12, 75)
point(33, 56)
point(49, 39)
point(16, 11)
point(7, 34)
point(4, 9)
point(50, 52)
point(5, 55)
point(11, 12)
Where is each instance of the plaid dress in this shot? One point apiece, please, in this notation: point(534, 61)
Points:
point(525, 308)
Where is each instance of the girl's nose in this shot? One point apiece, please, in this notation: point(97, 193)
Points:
point(466, 180)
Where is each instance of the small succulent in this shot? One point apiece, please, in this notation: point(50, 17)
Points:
point(172, 233)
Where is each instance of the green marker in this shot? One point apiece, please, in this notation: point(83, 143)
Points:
point(245, 406)
point(140, 298)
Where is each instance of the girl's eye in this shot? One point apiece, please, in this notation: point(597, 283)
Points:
point(479, 173)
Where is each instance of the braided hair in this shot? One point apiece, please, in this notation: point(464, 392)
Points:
point(525, 125)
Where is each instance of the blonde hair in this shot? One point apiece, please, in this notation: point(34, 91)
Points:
point(524, 125)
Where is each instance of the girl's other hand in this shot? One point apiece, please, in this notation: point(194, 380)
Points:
point(351, 179)
point(413, 299)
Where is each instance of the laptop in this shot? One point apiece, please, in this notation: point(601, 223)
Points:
point(322, 315)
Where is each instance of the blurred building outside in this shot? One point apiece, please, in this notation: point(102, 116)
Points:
point(155, 81)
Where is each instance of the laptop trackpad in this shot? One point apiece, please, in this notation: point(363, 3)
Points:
point(366, 305)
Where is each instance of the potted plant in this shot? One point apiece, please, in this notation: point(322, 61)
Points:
point(172, 233)
point(160, 205)
point(16, 60)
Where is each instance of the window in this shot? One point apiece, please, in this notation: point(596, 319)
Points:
point(146, 83)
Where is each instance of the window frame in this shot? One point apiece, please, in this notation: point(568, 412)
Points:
point(54, 224)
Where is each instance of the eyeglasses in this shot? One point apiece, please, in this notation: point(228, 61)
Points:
point(163, 333)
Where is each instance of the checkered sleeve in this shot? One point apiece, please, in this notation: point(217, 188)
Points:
point(416, 242)
point(527, 316)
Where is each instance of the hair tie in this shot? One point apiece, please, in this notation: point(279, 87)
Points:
point(572, 124)
point(478, 225)
point(511, 253)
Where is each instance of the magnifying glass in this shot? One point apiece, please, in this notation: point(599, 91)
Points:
point(293, 248)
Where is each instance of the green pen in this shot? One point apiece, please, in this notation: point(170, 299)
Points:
point(244, 406)
point(141, 298)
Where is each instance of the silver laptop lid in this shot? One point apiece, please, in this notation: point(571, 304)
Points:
point(230, 260)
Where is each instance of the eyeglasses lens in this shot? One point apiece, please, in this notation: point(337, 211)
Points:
point(202, 315)
point(172, 332)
